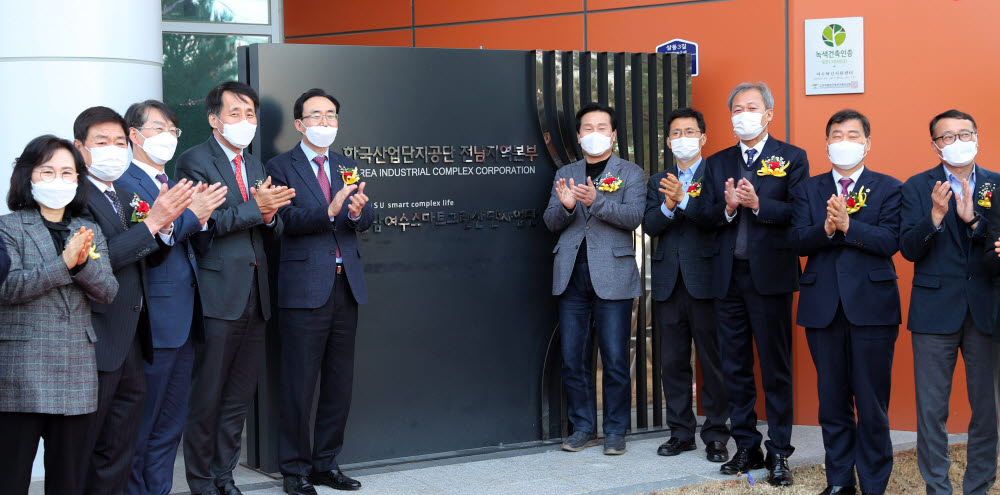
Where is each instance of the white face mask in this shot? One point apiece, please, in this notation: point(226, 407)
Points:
point(239, 134)
point(321, 135)
point(960, 153)
point(747, 125)
point(595, 143)
point(108, 163)
point(685, 148)
point(160, 147)
point(55, 195)
point(846, 154)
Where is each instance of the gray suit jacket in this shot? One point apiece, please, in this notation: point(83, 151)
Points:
point(609, 226)
point(226, 271)
point(47, 362)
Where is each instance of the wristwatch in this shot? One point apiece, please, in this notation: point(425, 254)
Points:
point(975, 218)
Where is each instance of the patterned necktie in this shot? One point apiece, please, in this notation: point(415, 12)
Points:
point(324, 181)
point(237, 160)
point(750, 154)
point(162, 178)
point(113, 196)
point(324, 184)
point(843, 186)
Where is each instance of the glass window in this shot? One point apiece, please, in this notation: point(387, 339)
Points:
point(238, 11)
point(192, 65)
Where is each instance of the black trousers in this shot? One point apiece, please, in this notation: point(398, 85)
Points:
point(746, 317)
point(316, 345)
point(223, 384)
point(854, 370)
point(680, 319)
point(114, 428)
point(67, 452)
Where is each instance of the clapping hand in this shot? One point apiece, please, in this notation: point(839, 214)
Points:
point(78, 248)
point(270, 198)
point(585, 194)
point(671, 188)
point(732, 201)
point(964, 207)
point(565, 193)
point(940, 196)
point(836, 214)
point(358, 202)
point(747, 195)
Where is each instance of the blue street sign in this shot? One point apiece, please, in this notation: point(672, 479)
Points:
point(678, 45)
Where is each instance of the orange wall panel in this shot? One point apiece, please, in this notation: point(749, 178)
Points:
point(446, 11)
point(553, 33)
point(310, 17)
point(593, 5)
point(402, 37)
point(724, 59)
point(904, 88)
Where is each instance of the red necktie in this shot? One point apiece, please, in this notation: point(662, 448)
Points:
point(324, 183)
point(843, 186)
point(237, 160)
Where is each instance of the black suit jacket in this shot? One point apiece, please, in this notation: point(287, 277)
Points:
point(949, 277)
point(855, 268)
point(116, 324)
point(226, 271)
point(774, 265)
point(684, 250)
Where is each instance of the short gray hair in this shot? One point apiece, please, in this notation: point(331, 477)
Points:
point(747, 86)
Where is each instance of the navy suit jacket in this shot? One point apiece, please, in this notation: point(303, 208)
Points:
point(308, 264)
point(174, 304)
point(683, 249)
point(117, 324)
point(774, 264)
point(949, 277)
point(857, 267)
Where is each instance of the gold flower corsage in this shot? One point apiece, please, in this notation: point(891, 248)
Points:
point(774, 166)
point(694, 190)
point(856, 200)
point(609, 183)
point(350, 175)
point(986, 195)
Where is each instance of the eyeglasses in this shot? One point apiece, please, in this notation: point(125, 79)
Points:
point(49, 175)
point(947, 139)
point(176, 131)
point(676, 133)
point(317, 117)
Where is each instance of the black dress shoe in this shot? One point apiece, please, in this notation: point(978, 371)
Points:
point(777, 470)
point(839, 490)
point(334, 479)
point(716, 452)
point(744, 460)
point(675, 446)
point(298, 485)
point(229, 488)
point(210, 491)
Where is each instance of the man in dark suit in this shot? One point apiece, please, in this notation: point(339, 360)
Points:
point(748, 190)
point(847, 223)
point(233, 286)
point(172, 302)
point(595, 206)
point(321, 281)
point(943, 233)
point(682, 292)
point(133, 231)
